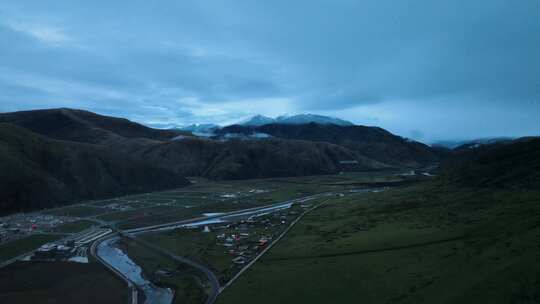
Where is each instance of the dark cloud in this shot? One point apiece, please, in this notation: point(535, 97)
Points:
point(400, 64)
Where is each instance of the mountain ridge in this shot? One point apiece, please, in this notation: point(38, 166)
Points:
point(260, 120)
point(38, 172)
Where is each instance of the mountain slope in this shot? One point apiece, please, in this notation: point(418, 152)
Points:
point(38, 172)
point(83, 126)
point(311, 118)
point(503, 164)
point(257, 120)
point(241, 159)
point(370, 142)
point(261, 120)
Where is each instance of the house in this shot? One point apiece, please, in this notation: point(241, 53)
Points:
point(239, 260)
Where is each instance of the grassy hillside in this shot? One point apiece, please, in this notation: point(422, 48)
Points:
point(243, 159)
point(513, 164)
point(37, 172)
point(370, 142)
point(83, 126)
point(429, 243)
point(470, 236)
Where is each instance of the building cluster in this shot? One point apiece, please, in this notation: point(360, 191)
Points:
point(242, 240)
point(119, 206)
point(73, 250)
point(22, 224)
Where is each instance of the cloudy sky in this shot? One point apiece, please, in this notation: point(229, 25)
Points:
point(430, 70)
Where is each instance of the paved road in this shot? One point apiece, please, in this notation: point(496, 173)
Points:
point(173, 225)
point(214, 282)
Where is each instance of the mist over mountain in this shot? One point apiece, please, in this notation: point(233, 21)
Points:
point(260, 120)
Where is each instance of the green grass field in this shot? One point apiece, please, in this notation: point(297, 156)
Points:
point(59, 282)
point(18, 247)
point(428, 243)
point(188, 284)
point(194, 245)
point(136, 213)
point(73, 227)
point(77, 211)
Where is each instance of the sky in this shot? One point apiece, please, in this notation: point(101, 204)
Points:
point(424, 69)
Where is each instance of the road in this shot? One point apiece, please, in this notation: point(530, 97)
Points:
point(293, 223)
point(174, 225)
point(214, 282)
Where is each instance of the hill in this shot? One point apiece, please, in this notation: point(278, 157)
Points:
point(61, 155)
point(501, 164)
point(38, 172)
point(369, 142)
point(84, 126)
point(242, 159)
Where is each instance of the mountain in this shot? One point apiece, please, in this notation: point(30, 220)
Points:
point(38, 172)
point(68, 155)
point(460, 144)
point(312, 118)
point(368, 142)
point(186, 155)
point(260, 120)
point(257, 120)
point(514, 163)
point(241, 159)
point(84, 126)
point(473, 144)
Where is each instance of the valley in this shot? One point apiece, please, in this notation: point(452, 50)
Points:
point(316, 213)
point(179, 213)
point(269, 152)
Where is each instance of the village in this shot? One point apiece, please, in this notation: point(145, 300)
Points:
point(24, 224)
point(228, 246)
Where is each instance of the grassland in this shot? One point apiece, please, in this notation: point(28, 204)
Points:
point(58, 282)
point(77, 211)
point(137, 213)
point(188, 284)
point(20, 246)
point(194, 245)
point(74, 227)
point(207, 196)
point(428, 243)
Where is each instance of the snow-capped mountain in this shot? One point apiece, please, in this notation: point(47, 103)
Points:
point(260, 120)
point(257, 120)
point(309, 118)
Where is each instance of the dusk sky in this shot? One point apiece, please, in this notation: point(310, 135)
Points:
point(430, 70)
